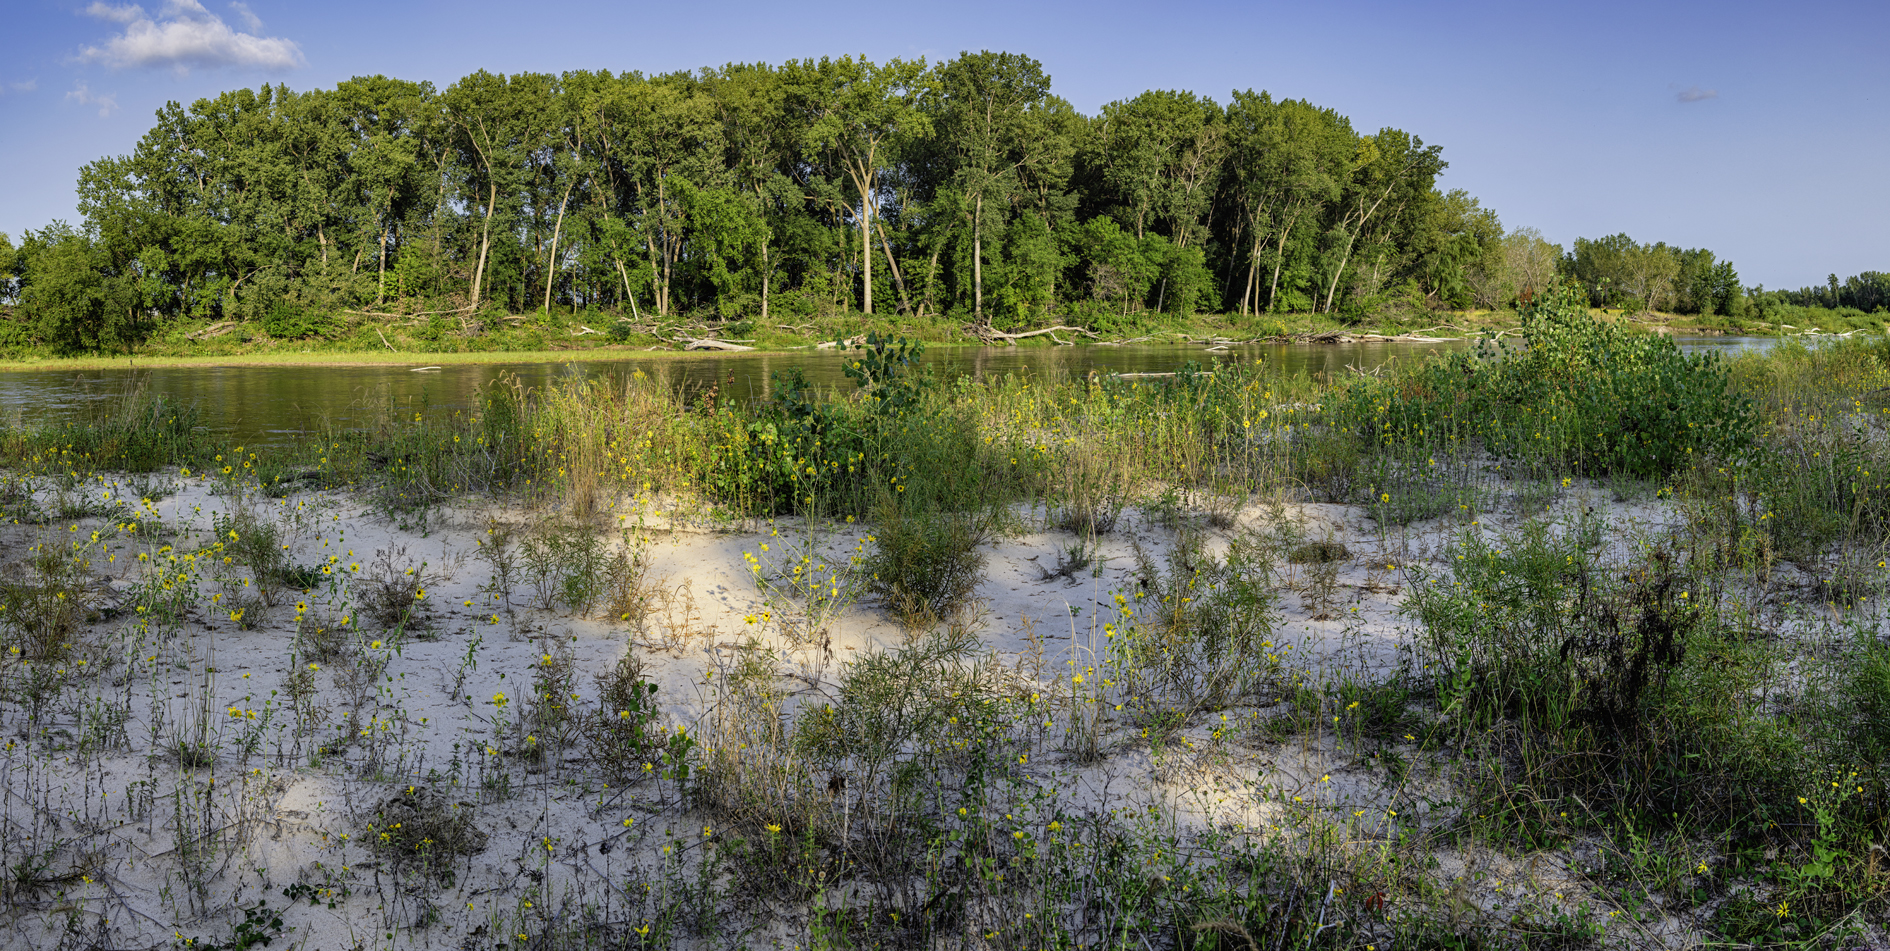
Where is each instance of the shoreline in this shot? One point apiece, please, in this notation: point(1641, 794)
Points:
point(1213, 334)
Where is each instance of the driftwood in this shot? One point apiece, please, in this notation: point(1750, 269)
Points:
point(712, 344)
point(1012, 339)
point(1340, 336)
point(217, 329)
point(1157, 376)
point(423, 313)
point(582, 330)
point(377, 333)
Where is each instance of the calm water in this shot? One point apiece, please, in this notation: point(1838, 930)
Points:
point(275, 404)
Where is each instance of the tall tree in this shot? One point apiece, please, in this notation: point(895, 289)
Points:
point(1286, 162)
point(986, 112)
point(751, 100)
point(1390, 172)
point(499, 122)
point(859, 112)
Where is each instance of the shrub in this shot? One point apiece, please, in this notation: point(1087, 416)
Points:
point(391, 595)
point(926, 567)
point(424, 827)
point(626, 730)
point(1582, 393)
point(1201, 634)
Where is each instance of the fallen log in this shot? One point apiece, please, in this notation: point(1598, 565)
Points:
point(711, 344)
point(217, 329)
point(1012, 339)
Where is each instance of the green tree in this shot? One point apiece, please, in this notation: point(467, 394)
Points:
point(726, 231)
point(1391, 175)
point(9, 281)
point(387, 172)
point(985, 118)
point(751, 101)
point(860, 113)
point(499, 121)
point(69, 300)
point(1529, 262)
point(1158, 160)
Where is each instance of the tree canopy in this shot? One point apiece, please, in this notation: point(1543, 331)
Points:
point(755, 191)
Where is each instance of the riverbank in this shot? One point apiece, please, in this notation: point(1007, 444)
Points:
point(564, 337)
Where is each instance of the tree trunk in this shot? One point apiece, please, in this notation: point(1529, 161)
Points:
point(485, 244)
point(627, 292)
point(866, 248)
point(1351, 238)
point(905, 300)
point(1252, 290)
point(1279, 259)
point(931, 276)
point(551, 262)
point(977, 260)
point(380, 287)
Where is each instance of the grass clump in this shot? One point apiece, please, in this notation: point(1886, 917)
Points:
point(1199, 633)
point(44, 601)
point(926, 567)
point(427, 830)
point(392, 592)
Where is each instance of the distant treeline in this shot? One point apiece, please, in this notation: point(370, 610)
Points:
point(1868, 292)
point(1619, 272)
point(964, 190)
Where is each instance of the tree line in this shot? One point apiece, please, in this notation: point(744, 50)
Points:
point(1868, 292)
point(964, 190)
point(1618, 271)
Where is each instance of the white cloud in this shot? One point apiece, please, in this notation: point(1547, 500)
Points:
point(129, 13)
point(251, 21)
point(107, 104)
point(185, 35)
point(1696, 94)
point(25, 86)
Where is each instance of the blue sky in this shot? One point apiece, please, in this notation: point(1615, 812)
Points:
point(1757, 130)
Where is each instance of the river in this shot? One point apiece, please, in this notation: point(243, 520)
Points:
point(274, 404)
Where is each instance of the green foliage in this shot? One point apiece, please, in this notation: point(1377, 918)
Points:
point(288, 321)
point(259, 928)
point(133, 432)
point(1200, 634)
point(925, 566)
point(70, 299)
point(885, 372)
point(733, 193)
point(1583, 393)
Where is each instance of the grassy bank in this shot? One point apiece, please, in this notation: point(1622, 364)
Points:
point(1636, 688)
point(563, 335)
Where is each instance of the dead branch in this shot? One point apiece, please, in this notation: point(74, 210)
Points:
point(1012, 339)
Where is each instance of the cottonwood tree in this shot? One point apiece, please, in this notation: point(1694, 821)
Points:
point(499, 122)
point(1286, 162)
point(858, 113)
point(985, 118)
point(1648, 272)
point(1391, 172)
point(1529, 261)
